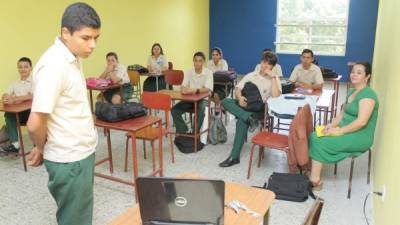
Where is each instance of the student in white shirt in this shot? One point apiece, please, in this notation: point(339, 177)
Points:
point(277, 69)
point(268, 84)
point(20, 90)
point(307, 74)
point(197, 80)
point(61, 123)
point(157, 63)
point(217, 63)
point(118, 74)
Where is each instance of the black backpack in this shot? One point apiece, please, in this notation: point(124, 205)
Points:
point(138, 68)
point(328, 73)
point(287, 86)
point(252, 94)
point(117, 112)
point(224, 76)
point(186, 144)
point(290, 187)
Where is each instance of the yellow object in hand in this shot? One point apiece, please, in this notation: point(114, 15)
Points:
point(320, 133)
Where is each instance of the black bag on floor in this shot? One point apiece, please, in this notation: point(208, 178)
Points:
point(290, 187)
point(224, 76)
point(117, 112)
point(186, 144)
point(252, 94)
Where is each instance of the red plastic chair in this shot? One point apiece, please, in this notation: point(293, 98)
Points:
point(153, 101)
point(173, 77)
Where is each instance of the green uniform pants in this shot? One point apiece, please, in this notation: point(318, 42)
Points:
point(183, 107)
point(126, 91)
point(71, 185)
point(242, 124)
point(11, 123)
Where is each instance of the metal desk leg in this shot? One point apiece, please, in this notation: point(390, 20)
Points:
point(21, 141)
point(160, 150)
point(195, 132)
point(109, 150)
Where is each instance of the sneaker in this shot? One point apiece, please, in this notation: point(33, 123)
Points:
point(253, 124)
point(11, 149)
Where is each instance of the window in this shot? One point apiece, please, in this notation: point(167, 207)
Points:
point(320, 25)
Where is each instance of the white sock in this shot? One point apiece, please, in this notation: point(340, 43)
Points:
point(16, 144)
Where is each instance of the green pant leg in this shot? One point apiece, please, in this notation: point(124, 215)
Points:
point(232, 106)
point(240, 137)
point(11, 126)
point(71, 185)
point(176, 112)
point(127, 92)
point(201, 107)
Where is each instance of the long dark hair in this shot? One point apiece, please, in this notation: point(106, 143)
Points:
point(154, 45)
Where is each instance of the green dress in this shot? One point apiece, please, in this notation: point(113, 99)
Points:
point(332, 149)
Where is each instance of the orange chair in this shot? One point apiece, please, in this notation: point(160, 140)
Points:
point(153, 101)
point(272, 140)
point(134, 77)
point(173, 77)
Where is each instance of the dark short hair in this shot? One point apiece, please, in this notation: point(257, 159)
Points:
point(270, 58)
point(367, 67)
point(25, 59)
point(200, 54)
point(305, 51)
point(112, 54)
point(267, 50)
point(157, 44)
point(216, 49)
point(79, 15)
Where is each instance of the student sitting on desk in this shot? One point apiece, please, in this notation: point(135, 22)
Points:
point(351, 133)
point(20, 90)
point(118, 74)
point(197, 80)
point(156, 64)
point(307, 75)
point(268, 83)
point(277, 68)
point(217, 63)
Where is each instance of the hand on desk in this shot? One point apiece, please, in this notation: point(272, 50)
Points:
point(35, 157)
point(187, 91)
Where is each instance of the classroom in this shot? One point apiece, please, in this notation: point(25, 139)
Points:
point(201, 112)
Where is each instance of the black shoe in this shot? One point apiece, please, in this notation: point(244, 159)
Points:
point(253, 124)
point(229, 162)
point(11, 149)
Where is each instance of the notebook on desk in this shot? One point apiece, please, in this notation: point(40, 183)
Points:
point(171, 201)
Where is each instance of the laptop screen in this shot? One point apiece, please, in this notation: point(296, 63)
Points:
point(181, 200)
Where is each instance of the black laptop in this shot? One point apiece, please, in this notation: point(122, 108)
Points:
point(171, 201)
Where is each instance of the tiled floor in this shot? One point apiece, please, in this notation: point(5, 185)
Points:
point(24, 198)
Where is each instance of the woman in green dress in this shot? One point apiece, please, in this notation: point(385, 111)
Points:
point(352, 130)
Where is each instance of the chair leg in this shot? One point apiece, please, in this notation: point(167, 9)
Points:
point(335, 169)
point(369, 165)
point(126, 154)
point(153, 155)
point(350, 177)
point(172, 149)
point(250, 161)
point(144, 150)
point(260, 156)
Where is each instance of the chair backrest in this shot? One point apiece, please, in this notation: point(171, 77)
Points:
point(314, 213)
point(173, 77)
point(134, 77)
point(157, 101)
point(170, 66)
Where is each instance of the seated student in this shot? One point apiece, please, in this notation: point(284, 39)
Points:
point(195, 81)
point(307, 74)
point(20, 90)
point(157, 63)
point(268, 83)
point(217, 63)
point(117, 73)
point(277, 68)
point(353, 128)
